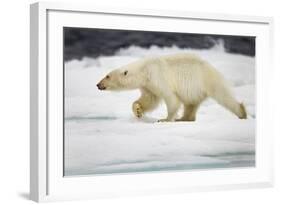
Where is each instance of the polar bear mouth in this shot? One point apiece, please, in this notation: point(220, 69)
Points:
point(101, 86)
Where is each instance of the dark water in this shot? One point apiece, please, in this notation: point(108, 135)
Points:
point(86, 42)
point(233, 163)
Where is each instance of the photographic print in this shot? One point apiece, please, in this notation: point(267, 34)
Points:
point(147, 101)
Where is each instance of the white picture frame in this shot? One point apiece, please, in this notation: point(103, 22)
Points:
point(46, 178)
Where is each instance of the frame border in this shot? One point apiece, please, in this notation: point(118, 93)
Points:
point(39, 188)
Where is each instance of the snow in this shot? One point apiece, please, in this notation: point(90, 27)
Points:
point(102, 136)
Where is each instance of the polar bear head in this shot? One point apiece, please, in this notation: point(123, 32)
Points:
point(126, 78)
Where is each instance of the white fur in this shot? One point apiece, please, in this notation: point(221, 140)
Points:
point(177, 79)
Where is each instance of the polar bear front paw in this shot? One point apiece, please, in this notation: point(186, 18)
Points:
point(137, 109)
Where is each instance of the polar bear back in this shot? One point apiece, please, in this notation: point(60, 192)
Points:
point(186, 75)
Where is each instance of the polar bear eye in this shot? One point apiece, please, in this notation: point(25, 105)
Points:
point(107, 77)
point(126, 72)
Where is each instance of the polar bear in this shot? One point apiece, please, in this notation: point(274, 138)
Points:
point(177, 79)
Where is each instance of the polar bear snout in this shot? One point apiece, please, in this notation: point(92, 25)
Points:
point(101, 86)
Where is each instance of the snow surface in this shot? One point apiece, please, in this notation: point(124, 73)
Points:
point(102, 136)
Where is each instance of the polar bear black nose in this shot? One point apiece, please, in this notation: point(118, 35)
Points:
point(100, 86)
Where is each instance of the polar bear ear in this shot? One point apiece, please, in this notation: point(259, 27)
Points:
point(125, 72)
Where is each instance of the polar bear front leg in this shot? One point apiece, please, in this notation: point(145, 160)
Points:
point(173, 104)
point(137, 109)
point(147, 102)
point(189, 112)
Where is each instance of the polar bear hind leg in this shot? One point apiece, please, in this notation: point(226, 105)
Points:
point(225, 98)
